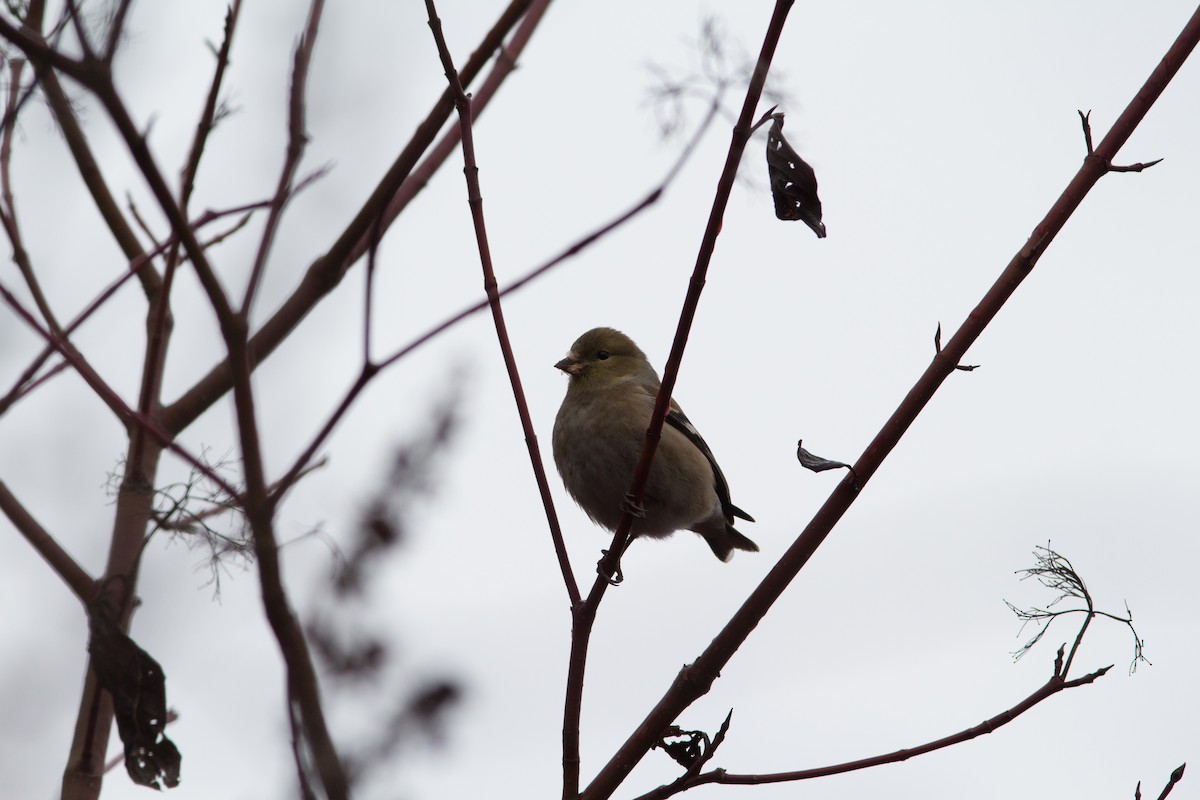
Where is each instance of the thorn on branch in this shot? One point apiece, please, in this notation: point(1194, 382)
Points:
point(937, 346)
point(1085, 120)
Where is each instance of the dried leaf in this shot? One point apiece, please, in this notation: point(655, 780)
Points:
point(793, 182)
point(139, 692)
point(816, 463)
point(684, 747)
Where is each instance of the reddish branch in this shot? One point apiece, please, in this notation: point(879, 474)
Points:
point(75, 576)
point(327, 271)
point(1056, 684)
point(696, 678)
point(297, 140)
point(26, 382)
point(475, 200)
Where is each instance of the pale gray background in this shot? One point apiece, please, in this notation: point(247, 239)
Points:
point(941, 133)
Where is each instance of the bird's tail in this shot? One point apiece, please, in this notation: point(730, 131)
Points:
point(724, 543)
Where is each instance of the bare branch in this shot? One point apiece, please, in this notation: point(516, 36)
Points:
point(75, 576)
point(116, 27)
point(208, 116)
point(23, 384)
point(297, 140)
point(43, 57)
point(1052, 687)
point(328, 270)
point(127, 416)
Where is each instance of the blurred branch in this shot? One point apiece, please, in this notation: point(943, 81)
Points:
point(694, 680)
point(116, 27)
point(43, 57)
point(212, 109)
point(123, 412)
point(297, 140)
point(26, 383)
point(327, 271)
point(75, 576)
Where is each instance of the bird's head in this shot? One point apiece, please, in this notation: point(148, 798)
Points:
point(603, 355)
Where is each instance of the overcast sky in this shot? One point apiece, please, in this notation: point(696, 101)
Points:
point(941, 132)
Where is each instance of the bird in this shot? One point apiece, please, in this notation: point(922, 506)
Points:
point(598, 436)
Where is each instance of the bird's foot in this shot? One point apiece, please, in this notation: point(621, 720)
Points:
point(633, 507)
point(612, 574)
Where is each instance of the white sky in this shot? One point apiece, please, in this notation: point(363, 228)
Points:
point(940, 133)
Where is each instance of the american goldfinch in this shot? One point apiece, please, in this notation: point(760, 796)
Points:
point(598, 437)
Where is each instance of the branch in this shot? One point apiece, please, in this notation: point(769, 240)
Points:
point(693, 681)
point(1052, 687)
point(23, 386)
point(506, 62)
point(75, 576)
point(327, 271)
point(475, 200)
point(297, 140)
point(43, 57)
point(123, 412)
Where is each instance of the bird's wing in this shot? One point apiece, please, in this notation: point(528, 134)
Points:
point(679, 421)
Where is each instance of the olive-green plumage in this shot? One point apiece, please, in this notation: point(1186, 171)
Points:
point(598, 437)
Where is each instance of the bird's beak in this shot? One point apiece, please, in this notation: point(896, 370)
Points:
point(570, 365)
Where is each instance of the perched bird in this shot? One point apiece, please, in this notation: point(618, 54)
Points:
point(598, 437)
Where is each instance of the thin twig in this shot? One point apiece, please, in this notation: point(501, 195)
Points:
point(475, 200)
point(1052, 687)
point(43, 57)
point(73, 574)
point(297, 141)
point(116, 28)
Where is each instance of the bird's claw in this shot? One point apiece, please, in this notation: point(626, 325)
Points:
point(615, 577)
point(631, 506)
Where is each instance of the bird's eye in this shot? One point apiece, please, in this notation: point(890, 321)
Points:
point(602, 355)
